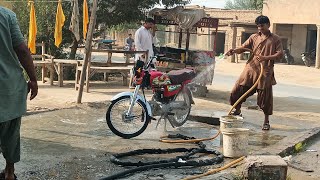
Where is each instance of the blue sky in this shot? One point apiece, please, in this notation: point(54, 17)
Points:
point(209, 3)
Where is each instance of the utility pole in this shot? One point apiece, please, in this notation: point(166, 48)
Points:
point(88, 49)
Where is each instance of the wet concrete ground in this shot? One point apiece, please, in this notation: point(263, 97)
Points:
point(307, 161)
point(282, 128)
point(76, 143)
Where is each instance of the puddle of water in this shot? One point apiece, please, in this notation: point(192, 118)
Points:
point(263, 139)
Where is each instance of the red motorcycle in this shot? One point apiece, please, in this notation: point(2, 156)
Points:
point(130, 113)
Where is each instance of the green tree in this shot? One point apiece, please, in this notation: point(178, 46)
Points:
point(111, 13)
point(115, 12)
point(46, 14)
point(244, 4)
point(126, 14)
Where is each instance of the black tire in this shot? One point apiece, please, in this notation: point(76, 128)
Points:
point(188, 99)
point(291, 62)
point(306, 62)
point(120, 131)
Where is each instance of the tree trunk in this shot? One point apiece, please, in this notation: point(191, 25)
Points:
point(74, 48)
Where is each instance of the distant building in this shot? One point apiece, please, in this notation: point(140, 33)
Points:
point(298, 23)
point(235, 26)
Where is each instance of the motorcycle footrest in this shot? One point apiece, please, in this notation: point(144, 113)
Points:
point(152, 118)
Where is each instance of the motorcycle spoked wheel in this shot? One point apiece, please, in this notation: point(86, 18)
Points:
point(127, 127)
point(180, 115)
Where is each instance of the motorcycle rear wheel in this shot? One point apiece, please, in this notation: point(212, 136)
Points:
point(122, 125)
point(180, 115)
point(307, 63)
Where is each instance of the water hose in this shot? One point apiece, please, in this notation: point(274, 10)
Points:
point(229, 113)
point(213, 171)
point(254, 85)
point(184, 160)
point(173, 162)
point(188, 140)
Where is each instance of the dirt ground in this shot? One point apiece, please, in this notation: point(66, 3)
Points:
point(289, 74)
point(53, 97)
point(66, 96)
point(55, 102)
point(300, 76)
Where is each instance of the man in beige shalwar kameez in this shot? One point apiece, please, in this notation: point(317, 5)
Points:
point(267, 48)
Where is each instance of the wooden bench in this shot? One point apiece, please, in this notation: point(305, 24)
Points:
point(59, 65)
point(124, 71)
point(108, 67)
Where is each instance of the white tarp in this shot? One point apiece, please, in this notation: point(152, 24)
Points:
point(185, 18)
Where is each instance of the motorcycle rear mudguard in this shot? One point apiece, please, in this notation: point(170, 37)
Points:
point(139, 97)
point(189, 93)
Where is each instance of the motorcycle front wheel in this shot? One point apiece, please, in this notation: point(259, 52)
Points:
point(124, 125)
point(180, 114)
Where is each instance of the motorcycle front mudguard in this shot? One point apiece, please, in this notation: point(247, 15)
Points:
point(149, 110)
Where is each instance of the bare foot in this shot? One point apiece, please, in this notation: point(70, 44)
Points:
point(10, 176)
point(9, 172)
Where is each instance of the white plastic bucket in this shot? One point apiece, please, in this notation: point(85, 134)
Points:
point(230, 122)
point(235, 142)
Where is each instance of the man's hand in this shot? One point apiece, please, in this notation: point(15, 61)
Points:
point(262, 58)
point(33, 86)
point(230, 52)
point(26, 61)
point(233, 51)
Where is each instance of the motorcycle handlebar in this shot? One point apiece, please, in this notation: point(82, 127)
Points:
point(150, 61)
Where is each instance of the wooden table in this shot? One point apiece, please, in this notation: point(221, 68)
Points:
point(45, 64)
point(58, 66)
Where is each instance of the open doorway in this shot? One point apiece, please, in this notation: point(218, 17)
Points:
point(220, 41)
point(311, 40)
point(245, 36)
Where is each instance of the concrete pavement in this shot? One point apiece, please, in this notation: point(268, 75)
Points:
point(67, 141)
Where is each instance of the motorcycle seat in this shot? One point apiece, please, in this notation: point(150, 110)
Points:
point(182, 75)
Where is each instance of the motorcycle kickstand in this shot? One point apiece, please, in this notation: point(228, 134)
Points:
point(165, 118)
point(165, 123)
point(159, 121)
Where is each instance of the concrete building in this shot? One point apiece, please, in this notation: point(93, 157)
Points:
point(298, 23)
point(235, 26)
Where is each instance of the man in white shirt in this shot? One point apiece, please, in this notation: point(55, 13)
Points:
point(144, 40)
